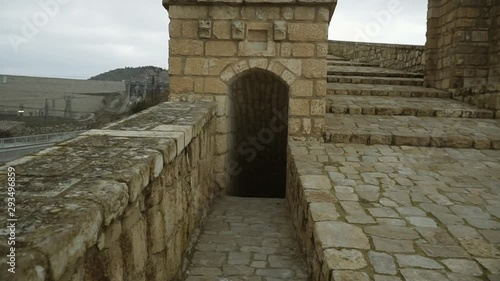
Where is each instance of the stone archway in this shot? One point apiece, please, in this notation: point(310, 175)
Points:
point(258, 121)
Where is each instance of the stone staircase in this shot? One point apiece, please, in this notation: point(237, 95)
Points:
point(396, 193)
point(373, 105)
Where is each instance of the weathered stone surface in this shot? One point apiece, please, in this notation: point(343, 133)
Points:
point(393, 246)
point(394, 232)
point(421, 275)
point(340, 234)
point(345, 275)
point(465, 267)
point(382, 263)
point(417, 261)
point(444, 251)
point(344, 259)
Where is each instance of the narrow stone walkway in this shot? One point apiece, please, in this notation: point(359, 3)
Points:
point(248, 239)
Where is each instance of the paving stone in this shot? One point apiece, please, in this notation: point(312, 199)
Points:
point(463, 231)
point(346, 275)
point(368, 196)
point(492, 265)
point(436, 236)
point(382, 263)
point(259, 257)
point(237, 270)
point(344, 259)
point(341, 234)
point(411, 211)
point(494, 277)
point(483, 223)
point(422, 222)
point(209, 259)
point(239, 258)
point(493, 236)
point(393, 246)
point(443, 251)
point(383, 212)
point(388, 202)
point(434, 208)
point(391, 222)
point(205, 271)
point(494, 210)
point(460, 277)
point(417, 261)
point(258, 264)
point(448, 219)
point(323, 211)
point(422, 275)
point(353, 208)
point(479, 247)
point(470, 212)
point(386, 278)
point(280, 261)
point(465, 267)
point(360, 219)
point(277, 273)
point(394, 232)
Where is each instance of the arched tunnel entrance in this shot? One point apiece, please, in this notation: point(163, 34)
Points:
point(258, 118)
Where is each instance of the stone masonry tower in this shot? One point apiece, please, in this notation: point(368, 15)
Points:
point(463, 50)
point(264, 63)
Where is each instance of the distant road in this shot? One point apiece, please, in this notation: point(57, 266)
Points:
point(9, 154)
point(13, 148)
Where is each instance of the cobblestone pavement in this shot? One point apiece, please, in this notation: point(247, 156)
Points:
point(248, 239)
point(404, 213)
point(369, 105)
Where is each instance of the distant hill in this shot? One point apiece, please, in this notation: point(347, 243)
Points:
point(131, 73)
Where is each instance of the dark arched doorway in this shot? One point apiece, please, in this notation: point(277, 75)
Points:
point(258, 116)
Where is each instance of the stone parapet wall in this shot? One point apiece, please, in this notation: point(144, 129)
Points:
point(122, 203)
point(401, 57)
point(309, 205)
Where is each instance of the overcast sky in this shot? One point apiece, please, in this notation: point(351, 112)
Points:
point(80, 39)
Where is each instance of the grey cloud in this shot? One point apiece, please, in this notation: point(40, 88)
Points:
point(86, 38)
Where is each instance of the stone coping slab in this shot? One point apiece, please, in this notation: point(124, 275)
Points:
point(397, 212)
point(413, 131)
point(429, 107)
point(67, 192)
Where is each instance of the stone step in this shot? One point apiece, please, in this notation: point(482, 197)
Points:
point(413, 131)
point(375, 80)
point(334, 57)
point(346, 63)
point(385, 90)
point(370, 71)
point(399, 106)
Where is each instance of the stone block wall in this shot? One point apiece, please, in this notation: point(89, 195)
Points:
point(214, 43)
point(461, 50)
point(122, 203)
point(309, 205)
point(402, 57)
